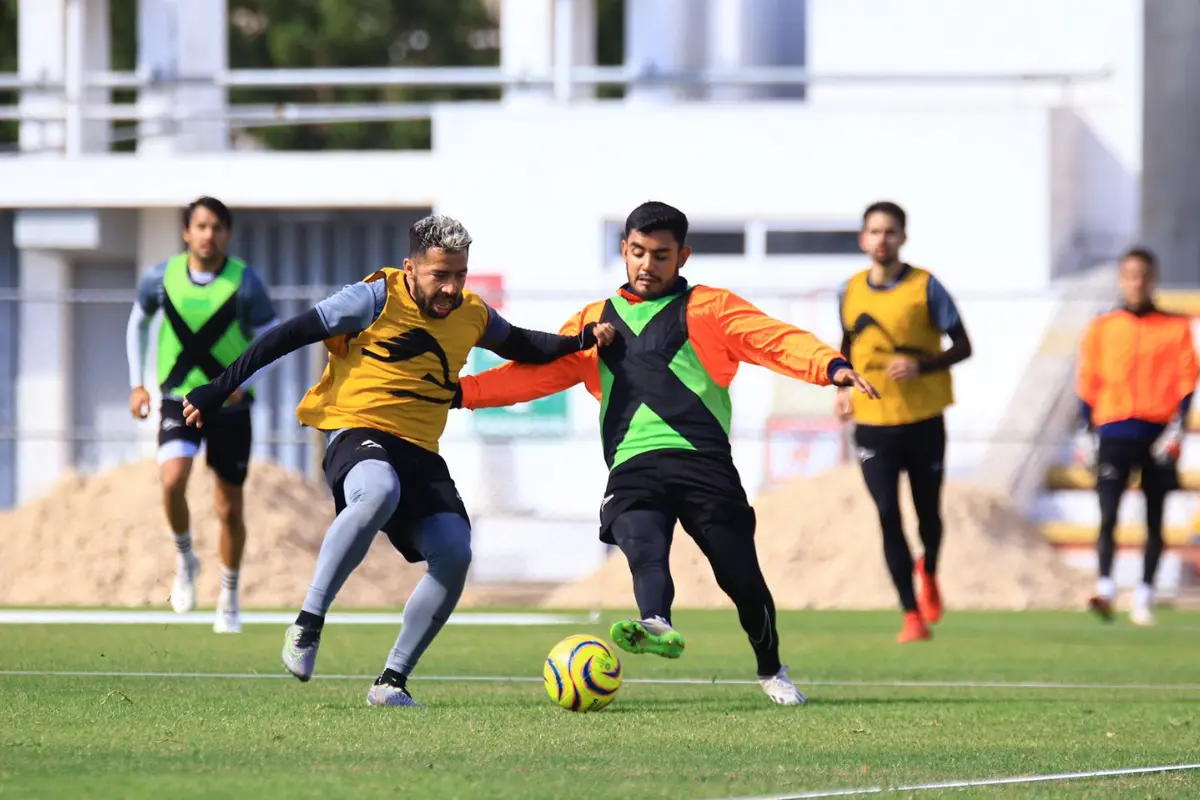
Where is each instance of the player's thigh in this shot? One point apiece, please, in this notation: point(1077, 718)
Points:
point(881, 459)
point(178, 445)
point(924, 461)
point(643, 532)
point(723, 527)
point(228, 445)
point(1115, 460)
point(1158, 478)
point(426, 490)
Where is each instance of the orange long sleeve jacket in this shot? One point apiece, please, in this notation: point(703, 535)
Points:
point(723, 328)
point(1137, 371)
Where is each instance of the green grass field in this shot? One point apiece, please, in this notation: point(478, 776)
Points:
point(264, 737)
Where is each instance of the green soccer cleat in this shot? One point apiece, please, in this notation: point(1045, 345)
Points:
point(651, 635)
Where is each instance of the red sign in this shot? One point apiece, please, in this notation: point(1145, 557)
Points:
point(488, 286)
point(803, 446)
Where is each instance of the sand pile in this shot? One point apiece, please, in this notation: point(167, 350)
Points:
point(819, 545)
point(103, 540)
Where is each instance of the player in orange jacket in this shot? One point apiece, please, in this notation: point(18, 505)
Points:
point(1137, 371)
point(663, 387)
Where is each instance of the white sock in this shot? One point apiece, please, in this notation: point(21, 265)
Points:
point(229, 581)
point(1143, 595)
point(183, 542)
point(1106, 588)
point(183, 549)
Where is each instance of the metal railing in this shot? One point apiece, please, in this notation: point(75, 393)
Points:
point(559, 84)
point(501, 78)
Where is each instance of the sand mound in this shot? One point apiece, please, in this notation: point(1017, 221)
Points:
point(103, 540)
point(819, 546)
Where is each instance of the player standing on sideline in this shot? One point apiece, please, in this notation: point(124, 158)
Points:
point(213, 307)
point(1137, 373)
point(663, 387)
point(894, 316)
point(396, 342)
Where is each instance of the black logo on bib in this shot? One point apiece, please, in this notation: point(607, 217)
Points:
point(410, 345)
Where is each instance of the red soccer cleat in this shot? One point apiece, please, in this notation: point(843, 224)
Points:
point(929, 598)
point(914, 629)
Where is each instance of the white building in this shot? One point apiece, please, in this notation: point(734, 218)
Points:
point(1011, 132)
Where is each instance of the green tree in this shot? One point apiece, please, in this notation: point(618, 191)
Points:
point(8, 63)
point(365, 33)
point(334, 33)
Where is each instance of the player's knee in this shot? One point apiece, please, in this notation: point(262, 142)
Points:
point(174, 484)
point(446, 543)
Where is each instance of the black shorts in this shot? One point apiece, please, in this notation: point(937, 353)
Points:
point(227, 438)
point(703, 492)
point(426, 487)
point(1117, 459)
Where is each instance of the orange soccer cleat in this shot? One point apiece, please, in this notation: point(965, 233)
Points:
point(914, 630)
point(929, 598)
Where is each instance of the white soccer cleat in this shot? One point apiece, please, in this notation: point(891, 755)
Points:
point(300, 651)
point(386, 695)
point(780, 689)
point(183, 592)
point(1141, 615)
point(1142, 611)
point(229, 614)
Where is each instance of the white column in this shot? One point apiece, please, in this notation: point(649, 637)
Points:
point(726, 44)
point(43, 376)
point(527, 45)
point(665, 36)
point(159, 231)
point(97, 57)
point(183, 39)
point(41, 27)
point(61, 42)
point(574, 46)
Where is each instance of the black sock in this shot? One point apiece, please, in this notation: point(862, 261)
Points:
point(389, 677)
point(310, 621)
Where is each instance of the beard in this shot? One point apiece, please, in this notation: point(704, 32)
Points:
point(426, 302)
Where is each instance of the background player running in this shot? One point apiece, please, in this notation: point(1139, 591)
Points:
point(1137, 373)
point(396, 344)
point(663, 386)
point(894, 316)
point(213, 306)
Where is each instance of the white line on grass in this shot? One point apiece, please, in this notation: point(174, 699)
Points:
point(1184, 687)
point(96, 617)
point(964, 784)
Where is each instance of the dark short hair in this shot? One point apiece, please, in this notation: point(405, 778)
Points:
point(893, 210)
point(1145, 255)
point(219, 210)
point(655, 216)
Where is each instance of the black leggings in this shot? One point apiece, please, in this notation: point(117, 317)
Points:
point(725, 534)
point(919, 449)
point(1115, 462)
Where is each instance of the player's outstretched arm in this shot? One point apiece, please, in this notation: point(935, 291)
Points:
point(526, 346)
point(757, 338)
point(514, 383)
point(351, 310)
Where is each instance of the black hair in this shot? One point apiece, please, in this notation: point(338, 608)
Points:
point(1146, 256)
point(893, 210)
point(219, 210)
point(655, 216)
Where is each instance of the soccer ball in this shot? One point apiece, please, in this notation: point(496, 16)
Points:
point(582, 673)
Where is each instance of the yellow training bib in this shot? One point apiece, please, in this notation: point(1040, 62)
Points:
point(399, 375)
point(884, 323)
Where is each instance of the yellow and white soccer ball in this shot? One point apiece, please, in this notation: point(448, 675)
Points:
point(582, 673)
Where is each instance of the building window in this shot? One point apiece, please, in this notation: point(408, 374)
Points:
point(717, 243)
point(812, 243)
